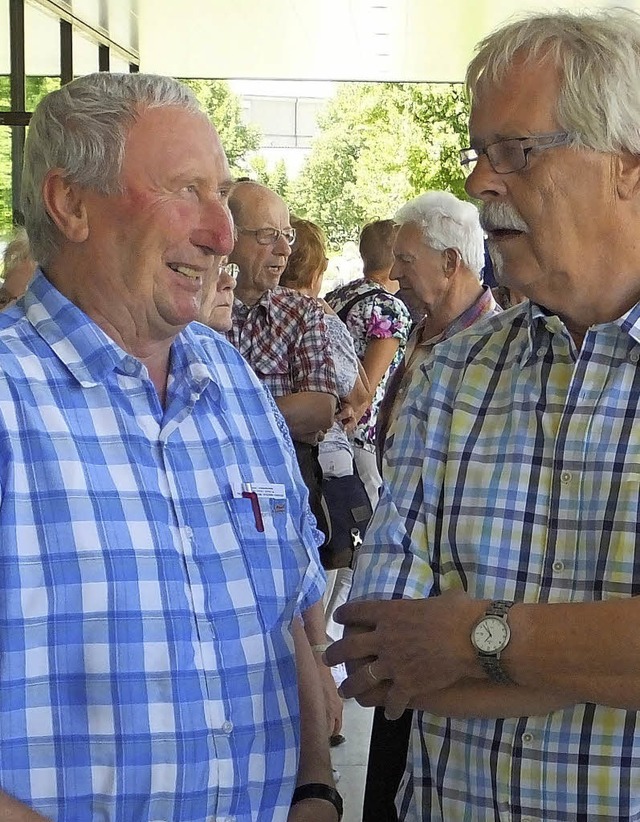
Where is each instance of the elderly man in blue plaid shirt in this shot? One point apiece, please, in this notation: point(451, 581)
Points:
point(508, 533)
point(156, 545)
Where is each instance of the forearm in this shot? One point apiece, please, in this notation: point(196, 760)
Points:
point(13, 811)
point(315, 762)
point(583, 652)
point(307, 414)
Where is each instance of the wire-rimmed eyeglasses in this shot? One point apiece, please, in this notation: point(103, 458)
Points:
point(269, 236)
point(512, 153)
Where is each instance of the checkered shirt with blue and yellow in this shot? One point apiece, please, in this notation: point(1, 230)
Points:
point(514, 473)
point(147, 670)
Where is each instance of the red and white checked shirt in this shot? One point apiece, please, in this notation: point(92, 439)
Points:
point(285, 339)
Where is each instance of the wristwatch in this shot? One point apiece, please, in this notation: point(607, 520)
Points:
point(490, 636)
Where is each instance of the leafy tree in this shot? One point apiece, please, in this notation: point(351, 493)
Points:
point(277, 180)
point(224, 110)
point(36, 88)
point(380, 145)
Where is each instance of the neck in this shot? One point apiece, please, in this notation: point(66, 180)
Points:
point(247, 296)
point(381, 277)
point(459, 299)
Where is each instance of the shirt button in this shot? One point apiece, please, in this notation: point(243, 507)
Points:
point(527, 738)
point(540, 352)
point(227, 727)
point(565, 477)
point(634, 356)
point(558, 566)
point(130, 366)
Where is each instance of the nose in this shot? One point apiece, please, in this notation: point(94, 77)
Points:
point(225, 281)
point(214, 233)
point(484, 183)
point(281, 246)
point(394, 274)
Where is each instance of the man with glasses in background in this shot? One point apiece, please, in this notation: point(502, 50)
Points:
point(284, 337)
point(507, 534)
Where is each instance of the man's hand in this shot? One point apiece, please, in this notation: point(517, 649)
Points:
point(332, 701)
point(400, 651)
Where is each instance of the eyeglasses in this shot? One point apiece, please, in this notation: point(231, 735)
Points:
point(512, 154)
point(270, 236)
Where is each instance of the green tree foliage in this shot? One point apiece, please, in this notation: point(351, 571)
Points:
point(224, 110)
point(380, 144)
point(36, 88)
point(277, 180)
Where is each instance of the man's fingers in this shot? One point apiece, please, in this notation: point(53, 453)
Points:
point(363, 680)
point(351, 648)
point(361, 613)
point(396, 702)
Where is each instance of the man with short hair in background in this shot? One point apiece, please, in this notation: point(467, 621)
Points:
point(284, 337)
point(438, 258)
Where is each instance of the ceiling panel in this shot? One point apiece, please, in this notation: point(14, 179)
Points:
point(410, 40)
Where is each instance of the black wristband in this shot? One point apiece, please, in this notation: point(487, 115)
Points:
point(318, 790)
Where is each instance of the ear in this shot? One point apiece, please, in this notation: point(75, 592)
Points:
point(450, 262)
point(627, 168)
point(65, 205)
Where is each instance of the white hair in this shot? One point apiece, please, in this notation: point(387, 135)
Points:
point(447, 222)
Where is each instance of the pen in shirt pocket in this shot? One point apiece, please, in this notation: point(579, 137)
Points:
point(250, 494)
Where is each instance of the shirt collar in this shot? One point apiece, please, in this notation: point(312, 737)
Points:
point(88, 352)
point(483, 305)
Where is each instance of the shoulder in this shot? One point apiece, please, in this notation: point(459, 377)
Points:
point(296, 305)
point(388, 302)
point(346, 292)
point(494, 342)
point(217, 351)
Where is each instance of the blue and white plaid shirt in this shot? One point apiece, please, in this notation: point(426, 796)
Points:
point(146, 661)
point(515, 474)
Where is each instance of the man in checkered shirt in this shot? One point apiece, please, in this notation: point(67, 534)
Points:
point(156, 547)
point(507, 537)
point(284, 337)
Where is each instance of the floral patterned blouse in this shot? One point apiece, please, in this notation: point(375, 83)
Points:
point(375, 317)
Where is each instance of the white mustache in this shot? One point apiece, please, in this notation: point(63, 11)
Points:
point(501, 216)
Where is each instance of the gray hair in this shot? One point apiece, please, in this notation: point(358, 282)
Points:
point(82, 128)
point(598, 59)
point(447, 222)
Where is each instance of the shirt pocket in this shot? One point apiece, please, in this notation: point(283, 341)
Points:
point(274, 569)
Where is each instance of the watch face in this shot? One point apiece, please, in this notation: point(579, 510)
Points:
point(490, 635)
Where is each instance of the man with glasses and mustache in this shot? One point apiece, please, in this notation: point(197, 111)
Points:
point(502, 562)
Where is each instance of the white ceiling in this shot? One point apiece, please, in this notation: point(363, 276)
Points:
point(410, 40)
point(399, 40)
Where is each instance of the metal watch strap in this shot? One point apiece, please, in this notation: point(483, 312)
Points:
point(499, 607)
point(318, 790)
point(491, 662)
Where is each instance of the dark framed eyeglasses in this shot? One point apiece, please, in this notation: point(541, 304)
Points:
point(269, 236)
point(512, 153)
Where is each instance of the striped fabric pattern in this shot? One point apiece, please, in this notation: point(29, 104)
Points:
point(514, 473)
point(146, 661)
